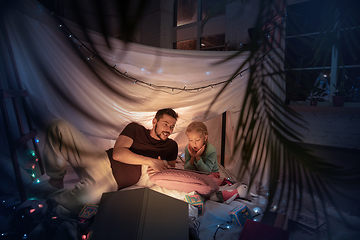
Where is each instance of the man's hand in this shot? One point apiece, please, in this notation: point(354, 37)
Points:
point(157, 165)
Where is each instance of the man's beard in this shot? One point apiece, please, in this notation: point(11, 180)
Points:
point(159, 134)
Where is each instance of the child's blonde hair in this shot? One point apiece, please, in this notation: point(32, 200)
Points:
point(199, 127)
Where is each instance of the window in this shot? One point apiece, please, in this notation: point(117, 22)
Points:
point(303, 26)
point(213, 43)
point(209, 5)
point(188, 21)
point(186, 12)
point(186, 45)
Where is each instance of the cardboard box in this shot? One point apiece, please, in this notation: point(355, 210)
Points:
point(196, 201)
point(140, 214)
point(239, 215)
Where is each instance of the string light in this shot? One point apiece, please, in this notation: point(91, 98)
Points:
point(134, 80)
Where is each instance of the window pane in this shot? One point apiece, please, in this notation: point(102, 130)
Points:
point(349, 47)
point(301, 53)
point(213, 43)
point(186, 45)
point(351, 78)
point(299, 84)
point(186, 12)
point(208, 5)
point(303, 18)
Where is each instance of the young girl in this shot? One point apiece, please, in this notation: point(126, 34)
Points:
point(199, 154)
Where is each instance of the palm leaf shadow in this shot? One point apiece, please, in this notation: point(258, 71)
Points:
point(269, 147)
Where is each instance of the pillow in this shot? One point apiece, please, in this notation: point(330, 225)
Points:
point(144, 180)
point(185, 181)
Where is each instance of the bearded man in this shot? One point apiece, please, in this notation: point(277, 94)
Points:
point(105, 171)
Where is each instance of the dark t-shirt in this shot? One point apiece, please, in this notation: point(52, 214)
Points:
point(143, 144)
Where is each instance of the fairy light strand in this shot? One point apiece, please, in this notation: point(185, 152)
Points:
point(151, 85)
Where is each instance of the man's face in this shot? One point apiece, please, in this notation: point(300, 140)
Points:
point(163, 128)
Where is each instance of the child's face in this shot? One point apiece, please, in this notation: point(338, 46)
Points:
point(196, 140)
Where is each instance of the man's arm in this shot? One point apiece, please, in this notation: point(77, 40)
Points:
point(122, 153)
point(172, 163)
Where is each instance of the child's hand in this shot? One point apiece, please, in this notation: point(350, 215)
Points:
point(191, 151)
point(200, 152)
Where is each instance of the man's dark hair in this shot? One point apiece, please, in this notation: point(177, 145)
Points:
point(167, 111)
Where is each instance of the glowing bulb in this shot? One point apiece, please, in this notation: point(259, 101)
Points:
point(257, 210)
point(36, 140)
point(70, 36)
point(32, 210)
point(37, 180)
point(60, 25)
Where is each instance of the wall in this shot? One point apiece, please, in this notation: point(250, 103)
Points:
point(240, 16)
point(330, 126)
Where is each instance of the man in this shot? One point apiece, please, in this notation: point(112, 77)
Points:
point(134, 147)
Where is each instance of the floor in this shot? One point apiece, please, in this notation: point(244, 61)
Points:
point(345, 194)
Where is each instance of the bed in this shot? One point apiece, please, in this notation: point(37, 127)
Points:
point(215, 220)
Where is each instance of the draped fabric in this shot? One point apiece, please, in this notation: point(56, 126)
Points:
point(68, 78)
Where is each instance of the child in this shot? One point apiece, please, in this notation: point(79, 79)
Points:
point(199, 154)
